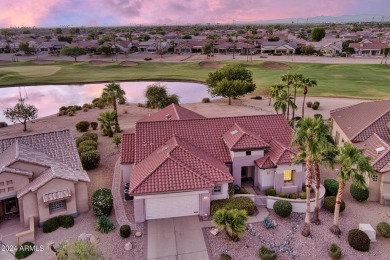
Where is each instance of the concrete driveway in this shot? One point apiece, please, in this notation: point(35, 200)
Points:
point(176, 239)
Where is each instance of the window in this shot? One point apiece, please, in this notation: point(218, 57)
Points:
point(248, 153)
point(2, 191)
point(217, 189)
point(57, 206)
point(9, 182)
point(375, 178)
point(1, 183)
point(288, 175)
point(10, 189)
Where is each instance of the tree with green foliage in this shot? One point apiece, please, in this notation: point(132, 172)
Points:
point(186, 37)
point(25, 47)
point(230, 81)
point(72, 51)
point(67, 39)
point(207, 49)
point(157, 97)
point(117, 140)
point(74, 30)
point(275, 91)
point(355, 166)
point(58, 31)
point(78, 250)
point(288, 80)
point(232, 221)
point(306, 83)
point(317, 34)
point(113, 94)
point(283, 102)
point(21, 113)
point(107, 121)
point(297, 83)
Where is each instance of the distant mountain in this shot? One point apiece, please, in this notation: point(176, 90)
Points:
point(326, 19)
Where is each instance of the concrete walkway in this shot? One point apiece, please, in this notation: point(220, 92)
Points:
point(176, 239)
point(8, 230)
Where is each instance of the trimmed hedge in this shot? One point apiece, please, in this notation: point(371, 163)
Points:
point(206, 100)
point(331, 187)
point(25, 250)
point(94, 125)
point(234, 203)
point(53, 224)
point(90, 160)
point(302, 195)
point(359, 194)
point(334, 252)
point(330, 203)
point(283, 195)
point(292, 196)
point(82, 139)
point(283, 208)
point(125, 231)
point(93, 136)
point(66, 221)
point(82, 126)
point(270, 192)
point(102, 202)
point(359, 240)
point(85, 148)
point(383, 229)
point(88, 143)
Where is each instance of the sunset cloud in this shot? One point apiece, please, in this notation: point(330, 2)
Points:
point(125, 12)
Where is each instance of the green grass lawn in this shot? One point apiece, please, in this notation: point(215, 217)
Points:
point(362, 81)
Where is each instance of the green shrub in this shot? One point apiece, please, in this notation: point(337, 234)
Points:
point(283, 208)
point(292, 196)
point(302, 195)
point(104, 224)
point(93, 136)
point(358, 240)
point(230, 189)
point(331, 187)
point(82, 139)
point(125, 231)
point(63, 108)
point(234, 203)
point(85, 109)
point(82, 126)
point(102, 202)
point(315, 106)
point(50, 225)
point(270, 192)
point(330, 203)
point(66, 221)
point(317, 103)
point(85, 148)
point(242, 191)
point(77, 107)
point(268, 223)
point(3, 124)
point(267, 254)
point(70, 113)
point(205, 100)
point(359, 194)
point(90, 160)
point(384, 229)
point(309, 103)
point(88, 143)
point(334, 252)
point(94, 125)
point(25, 250)
point(224, 256)
point(283, 195)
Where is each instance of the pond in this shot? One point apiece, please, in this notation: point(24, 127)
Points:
point(49, 98)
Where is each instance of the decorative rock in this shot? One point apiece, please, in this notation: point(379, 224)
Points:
point(138, 234)
point(214, 231)
point(369, 230)
point(274, 223)
point(250, 226)
point(94, 240)
point(128, 246)
point(84, 237)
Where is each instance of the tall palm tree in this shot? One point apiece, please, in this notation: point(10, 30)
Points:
point(232, 221)
point(309, 135)
point(288, 80)
point(275, 91)
point(107, 121)
point(283, 102)
point(306, 83)
point(355, 166)
point(113, 94)
point(297, 81)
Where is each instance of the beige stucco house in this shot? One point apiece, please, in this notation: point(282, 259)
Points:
point(41, 176)
point(178, 161)
point(367, 126)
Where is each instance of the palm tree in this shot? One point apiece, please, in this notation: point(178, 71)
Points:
point(306, 83)
point(355, 166)
point(112, 94)
point(288, 80)
point(107, 121)
point(283, 102)
point(297, 81)
point(275, 91)
point(232, 221)
point(309, 135)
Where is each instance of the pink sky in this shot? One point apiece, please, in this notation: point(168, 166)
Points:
point(115, 12)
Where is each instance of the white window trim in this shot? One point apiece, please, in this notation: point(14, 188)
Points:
point(217, 192)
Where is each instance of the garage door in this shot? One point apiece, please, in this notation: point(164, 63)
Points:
point(168, 207)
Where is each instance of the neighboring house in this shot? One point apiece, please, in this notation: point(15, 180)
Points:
point(178, 161)
point(190, 46)
point(367, 126)
point(331, 49)
point(368, 48)
point(278, 47)
point(41, 176)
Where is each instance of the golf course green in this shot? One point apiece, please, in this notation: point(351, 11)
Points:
point(359, 81)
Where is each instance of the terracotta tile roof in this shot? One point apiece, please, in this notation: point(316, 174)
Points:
point(172, 112)
point(280, 153)
point(265, 162)
point(128, 154)
point(239, 138)
point(16, 171)
point(177, 166)
point(368, 46)
point(360, 121)
point(206, 134)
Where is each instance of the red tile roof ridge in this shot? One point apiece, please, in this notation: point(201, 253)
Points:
point(282, 147)
point(39, 133)
point(343, 108)
point(371, 123)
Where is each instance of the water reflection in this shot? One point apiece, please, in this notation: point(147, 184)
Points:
point(49, 98)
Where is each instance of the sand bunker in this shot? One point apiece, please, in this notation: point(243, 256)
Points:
point(43, 61)
point(271, 65)
point(128, 63)
point(210, 65)
point(100, 62)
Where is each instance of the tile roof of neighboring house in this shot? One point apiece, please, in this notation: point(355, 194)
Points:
point(172, 112)
point(206, 133)
point(128, 154)
point(177, 166)
point(380, 160)
point(280, 153)
point(368, 46)
point(239, 138)
point(360, 121)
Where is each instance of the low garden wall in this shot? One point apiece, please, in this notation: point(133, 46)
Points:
point(28, 235)
point(298, 205)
